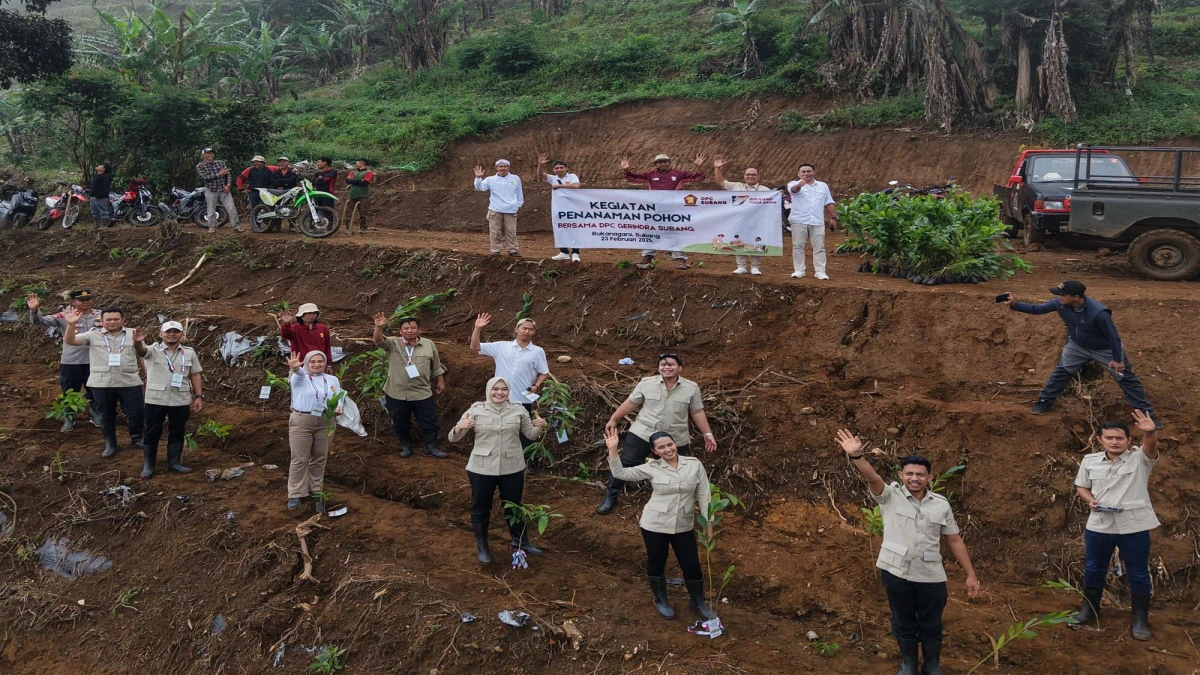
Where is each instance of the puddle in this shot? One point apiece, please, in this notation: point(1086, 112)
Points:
point(56, 555)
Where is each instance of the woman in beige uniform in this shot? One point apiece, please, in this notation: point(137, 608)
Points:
point(497, 460)
point(309, 428)
point(669, 519)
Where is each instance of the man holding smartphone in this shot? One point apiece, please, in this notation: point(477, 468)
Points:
point(1091, 336)
point(1115, 486)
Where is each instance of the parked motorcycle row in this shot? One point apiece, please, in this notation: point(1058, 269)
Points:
point(298, 206)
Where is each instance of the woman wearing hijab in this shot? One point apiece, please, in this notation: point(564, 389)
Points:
point(497, 460)
point(309, 427)
point(669, 519)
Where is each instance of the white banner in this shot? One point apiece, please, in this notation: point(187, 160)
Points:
point(701, 221)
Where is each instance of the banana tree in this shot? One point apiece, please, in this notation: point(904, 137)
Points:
point(322, 46)
point(740, 22)
point(263, 60)
point(358, 20)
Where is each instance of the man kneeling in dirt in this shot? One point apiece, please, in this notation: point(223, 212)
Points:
point(910, 560)
point(1114, 485)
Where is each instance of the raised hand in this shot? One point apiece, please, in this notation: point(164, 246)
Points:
point(612, 440)
point(849, 442)
point(1145, 423)
point(543, 158)
point(718, 162)
point(287, 316)
point(139, 335)
point(33, 302)
point(293, 362)
point(483, 320)
point(380, 319)
point(478, 171)
point(625, 164)
point(700, 159)
point(70, 314)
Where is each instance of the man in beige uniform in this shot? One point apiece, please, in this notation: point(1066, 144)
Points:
point(114, 376)
point(666, 400)
point(910, 560)
point(413, 362)
point(750, 184)
point(173, 392)
point(1115, 486)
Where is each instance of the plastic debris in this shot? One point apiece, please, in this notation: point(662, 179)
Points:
point(638, 317)
point(6, 527)
point(711, 628)
point(213, 474)
point(182, 499)
point(230, 474)
point(234, 345)
point(351, 418)
point(564, 359)
point(520, 560)
point(55, 554)
point(219, 625)
point(468, 617)
point(514, 619)
point(279, 654)
point(337, 511)
point(812, 636)
point(123, 493)
point(722, 304)
point(625, 362)
point(230, 516)
point(10, 317)
point(270, 467)
point(675, 581)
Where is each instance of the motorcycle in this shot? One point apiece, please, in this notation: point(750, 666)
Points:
point(17, 210)
point(191, 206)
point(297, 206)
point(937, 191)
point(66, 207)
point(134, 205)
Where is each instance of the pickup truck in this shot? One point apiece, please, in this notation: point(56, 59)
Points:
point(1156, 212)
point(1036, 200)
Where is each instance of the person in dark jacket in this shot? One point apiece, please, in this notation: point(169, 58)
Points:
point(325, 180)
point(285, 177)
point(359, 180)
point(1091, 336)
point(101, 187)
point(258, 175)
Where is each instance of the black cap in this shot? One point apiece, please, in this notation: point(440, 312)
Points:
point(82, 294)
point(1069, 287)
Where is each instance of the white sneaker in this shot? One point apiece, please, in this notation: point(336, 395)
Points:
point(755, 271)
point(797, 275)
point(574, 257)
point(740, 270)
point(822, 276)
point(561, 256)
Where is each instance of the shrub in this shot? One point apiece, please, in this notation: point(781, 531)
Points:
point(514, 53)
point(629, 60)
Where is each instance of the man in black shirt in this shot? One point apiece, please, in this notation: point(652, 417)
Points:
point(101, 187)
point(325, 180)
point(285, 177)
point(257, 175)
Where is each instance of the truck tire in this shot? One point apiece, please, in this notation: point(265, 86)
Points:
point(1030, 232)
point(1166, 255)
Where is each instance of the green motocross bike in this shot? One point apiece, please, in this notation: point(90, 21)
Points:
point(298, 206)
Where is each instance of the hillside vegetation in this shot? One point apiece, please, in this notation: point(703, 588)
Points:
point(397, 81)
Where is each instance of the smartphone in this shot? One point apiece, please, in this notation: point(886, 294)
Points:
point(1003, 297)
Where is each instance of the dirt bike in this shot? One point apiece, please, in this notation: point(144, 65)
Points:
point(187, 205)
point(18, 209)
point(297, 206)
point(134, 205)
point(66, 207)
point(938, 191)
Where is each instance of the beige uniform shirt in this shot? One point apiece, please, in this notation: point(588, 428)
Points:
point(672, 506)
point(665, 411)
point(159, 370)
point(912, 533)
point(429, 366)
point(1122, 482)
point(101, 375)
point(497, 450)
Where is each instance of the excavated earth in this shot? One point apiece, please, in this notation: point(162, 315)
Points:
point(783, 364)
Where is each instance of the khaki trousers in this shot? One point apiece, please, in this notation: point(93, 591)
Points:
point(502, 231)
point(308, 437)
point(802, 234)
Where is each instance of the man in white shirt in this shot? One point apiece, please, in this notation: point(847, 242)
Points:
point(560, 178)
point(1115, 486)
point(750, 184)
point(520, 362)
point(812, 204)
point(505, 200)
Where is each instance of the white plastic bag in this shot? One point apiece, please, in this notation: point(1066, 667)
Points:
point(350, 417)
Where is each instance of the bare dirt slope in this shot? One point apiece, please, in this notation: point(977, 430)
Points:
point(783, 364)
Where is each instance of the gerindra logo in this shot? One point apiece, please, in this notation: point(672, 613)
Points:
point(689, 200)
point(738, 200)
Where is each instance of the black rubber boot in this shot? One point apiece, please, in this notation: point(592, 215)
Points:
point(68, 422)
point(481, 542)
point(1089, 612)
point(931, 654)
point(610, 496)
point(110, 446)
point(695, 590)
point(908, 657)
point(175, 458)
point(1139, 625)
point(148, 461)
point(406, 450)
point(136, 441)
point(432, 450)
point(522, 542)
point(95, 414)
point(658, 588)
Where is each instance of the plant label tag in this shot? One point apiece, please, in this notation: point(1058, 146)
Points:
point(264, 392)
point(412, 371)
point(177, 380)
point(714, 627)
point(533, 398)
point(562, 436)
point(114, 360)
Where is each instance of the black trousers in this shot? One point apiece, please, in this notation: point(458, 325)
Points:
point(176, 417)
point(916, 607)
point(74, 377)
point(483, 488)
point(131, 402)
point(401, 413)
point(569, 250)
point(687, 554)
point(634, 452)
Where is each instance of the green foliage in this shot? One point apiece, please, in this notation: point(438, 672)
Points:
point(210, 428)
point(872, 520)
point(1024, 631)
point(70, 402)
point(276, 382)
point(1156, 110)
point(370, 382)
point(328, 660)
point(528, 514)
point(930, 237)
point(125, 600)
point(939, 484)
point(555, 406)
point(115, 253)
point(331, 410)
point(526, 306)
point(1064, 585)
point(514, 52)
point(825, 648)
point(429, 303)
point(892, 111)
point(708, 532)
point(583, 474)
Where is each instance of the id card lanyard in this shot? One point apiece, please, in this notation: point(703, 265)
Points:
point(318, 408)
point(410, 368)
point(176, 378)
point(114, 359)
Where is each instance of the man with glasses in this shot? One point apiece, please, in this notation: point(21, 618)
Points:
point(666, 401)
point(750, 184)
point(73, 367)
